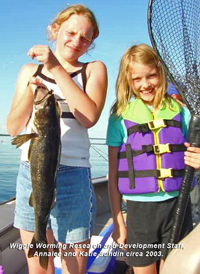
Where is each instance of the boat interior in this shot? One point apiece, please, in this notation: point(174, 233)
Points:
point(13, 260)
point(10, 235)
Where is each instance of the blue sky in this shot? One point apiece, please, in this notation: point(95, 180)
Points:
point(24, 22)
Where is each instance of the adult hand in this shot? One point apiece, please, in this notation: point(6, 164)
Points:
point(192, 156)
point(43, 54)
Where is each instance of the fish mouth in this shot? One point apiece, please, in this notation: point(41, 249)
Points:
point(44, 98)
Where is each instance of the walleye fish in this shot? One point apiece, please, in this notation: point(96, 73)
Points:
point(44, 157)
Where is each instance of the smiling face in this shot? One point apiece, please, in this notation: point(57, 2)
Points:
point(73, 38)
point(145, 81)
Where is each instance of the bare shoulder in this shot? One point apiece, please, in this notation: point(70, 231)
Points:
point(25, 74)
point(96, 65)
point(28, 70)
point(96, 71)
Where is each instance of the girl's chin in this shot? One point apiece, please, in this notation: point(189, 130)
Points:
point(147, 97)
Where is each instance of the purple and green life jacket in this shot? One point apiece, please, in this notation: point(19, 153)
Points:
point(152, 159)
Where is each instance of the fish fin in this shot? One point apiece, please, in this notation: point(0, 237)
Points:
point(31, 199)
point(29, 153)
point(44, 261)
point(33, 248)
point(39, 247)
point(21, 139)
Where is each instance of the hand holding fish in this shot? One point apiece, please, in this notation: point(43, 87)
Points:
point(192, 156)
point(45, 55)
point(35, 82)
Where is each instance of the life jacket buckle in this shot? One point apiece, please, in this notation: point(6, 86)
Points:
point(161, 148)
point(155, 124)
point(165, 173)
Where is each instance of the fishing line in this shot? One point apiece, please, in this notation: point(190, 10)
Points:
point(100, 152)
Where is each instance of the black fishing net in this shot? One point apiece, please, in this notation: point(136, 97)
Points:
point(174, 29)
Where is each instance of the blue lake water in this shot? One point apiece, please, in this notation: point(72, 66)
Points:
point(10, 159)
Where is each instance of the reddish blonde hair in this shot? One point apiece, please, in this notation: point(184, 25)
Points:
point(67, 12)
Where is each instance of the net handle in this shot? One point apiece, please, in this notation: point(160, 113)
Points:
point(179, 214)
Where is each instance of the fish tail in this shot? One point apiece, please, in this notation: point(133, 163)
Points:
point(21, 139)
point(41, 250)
point(44, 261)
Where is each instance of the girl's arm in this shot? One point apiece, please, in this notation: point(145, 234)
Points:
point(119, 233)
point(86, 107)
point(22, 103)
point(192, 155)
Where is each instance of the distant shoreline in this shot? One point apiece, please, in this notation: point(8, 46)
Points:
point(4, 135)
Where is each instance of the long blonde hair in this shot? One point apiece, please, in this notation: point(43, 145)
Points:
point(67, 12)
point(142, 54)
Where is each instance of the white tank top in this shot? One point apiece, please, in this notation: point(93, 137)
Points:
point(74, 137)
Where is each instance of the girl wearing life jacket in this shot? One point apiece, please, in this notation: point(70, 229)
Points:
point(146, 136)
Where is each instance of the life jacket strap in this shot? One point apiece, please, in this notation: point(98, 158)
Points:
point(153, 125)
point(130, 167)
point(163, 148)
point(157, 173)
point(122, 154)
point(156, 149)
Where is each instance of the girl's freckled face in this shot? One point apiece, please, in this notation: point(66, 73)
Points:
point(74, 37)
point(145, 81)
